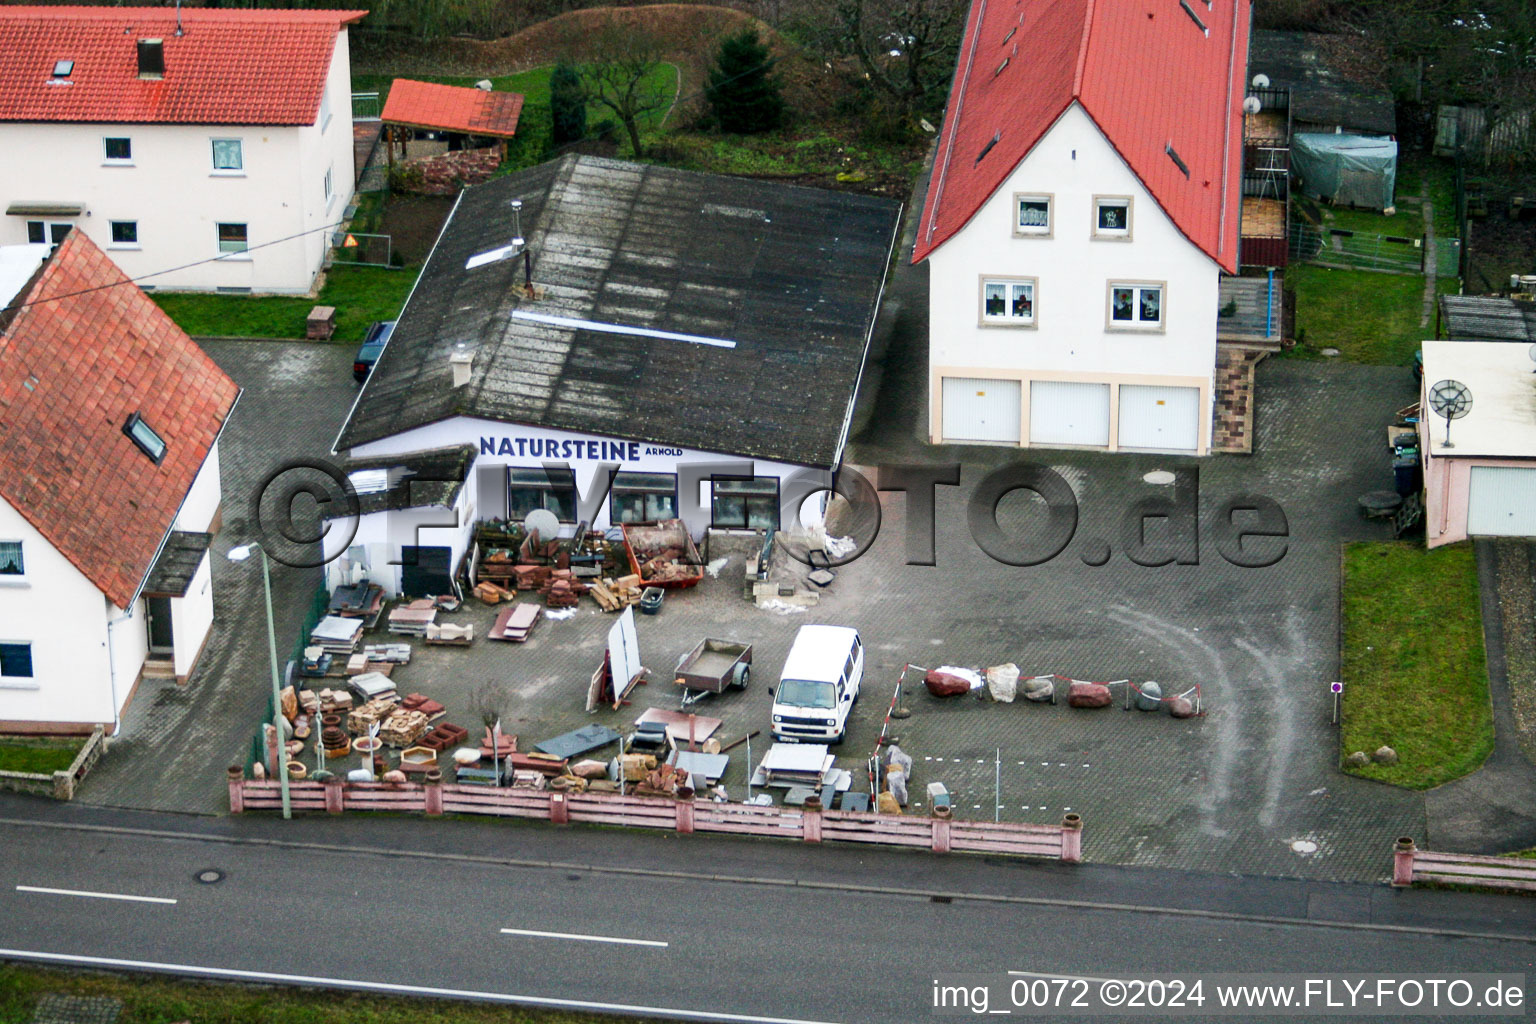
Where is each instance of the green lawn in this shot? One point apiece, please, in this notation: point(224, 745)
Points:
point(1414, 673)
point(1369, 317)
point(156, 1000)
point(361, 295)
point(44, 757)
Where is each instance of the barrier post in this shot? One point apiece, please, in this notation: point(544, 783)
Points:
point(236, 789)
point(1402, 861)
point(432, 793)
point(810, 820)
point(684, 809)
point(1072, 838)
point(559, 809)
point(941, 834)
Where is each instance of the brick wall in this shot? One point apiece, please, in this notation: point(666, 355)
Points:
point(1232, 430)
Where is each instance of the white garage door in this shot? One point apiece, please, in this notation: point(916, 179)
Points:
point(981, 410)
point(1501, 502)
point(1164, 418)
point(1066, 412)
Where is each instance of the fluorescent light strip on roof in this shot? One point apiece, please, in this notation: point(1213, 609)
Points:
point(593, 325)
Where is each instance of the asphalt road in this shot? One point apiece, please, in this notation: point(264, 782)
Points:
point(678, 927)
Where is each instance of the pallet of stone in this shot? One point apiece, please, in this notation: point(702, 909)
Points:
point(412, 621)
point(536, 763)
point(335, 700)
point(426, 705)
point(395, 653)
point(516, 622)
point(337, 636)
point(357, 664)
point(448, 635)
point(529, 780)
point(372, 685)
point(531, 577)
point(403, 728)
point(373, 711)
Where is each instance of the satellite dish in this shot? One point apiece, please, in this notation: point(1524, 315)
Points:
point(1261, 81)
point(1452, 400)
point(544, 522)
point(1531, 352)
point(1251, 105)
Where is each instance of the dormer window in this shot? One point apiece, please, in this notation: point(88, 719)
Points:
point(151, 58)
point(63, 68)
point(143, 435)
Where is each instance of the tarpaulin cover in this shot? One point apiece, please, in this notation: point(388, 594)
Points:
point(1350, 170)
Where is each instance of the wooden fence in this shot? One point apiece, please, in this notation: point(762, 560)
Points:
point(1411, 864)
point(807, 824)
point(61, 784)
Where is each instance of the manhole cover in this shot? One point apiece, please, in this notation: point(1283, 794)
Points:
point(209, 876)
point(1159, 477)
point(1304, 846)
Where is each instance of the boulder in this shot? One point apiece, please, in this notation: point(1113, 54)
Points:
point(589, 769)
point(1384, 755)
point(885, 803)
point(1088, 695)
point(1003, 682)
point(1149, 697)
point(1180, 707)
point(943, 684)
point(900, 760)
point(897, 781)
point(1040, 689)
point(395, 775)
point(1359, 759)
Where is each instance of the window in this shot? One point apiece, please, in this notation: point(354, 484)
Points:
point(63, 68)
point(51, 232)
point(328, 184)
point(119, 151)
point(642, 497)
point(1112, 217)
point(528, 489)
point(125, 234)
point(232, 238)
point(15, 661)
point(1137, 306)
point(227, 156)
point(143, 435)
point(1032, 215)
point(11, 563)
point(1008, 300)
point(745, 504)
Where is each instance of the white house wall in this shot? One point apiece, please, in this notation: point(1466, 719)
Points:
point(1072, 163)
point(192, 618)
point(202, 501)
point(63, 616)
point(326, 144)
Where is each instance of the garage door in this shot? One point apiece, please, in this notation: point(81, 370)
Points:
point(1167, 419)
point(1502, 502)
point(981, 410)
point(1066, 412)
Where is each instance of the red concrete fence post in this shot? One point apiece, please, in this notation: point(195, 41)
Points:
point(1402, 861)
point(684, 810)
point(942, 826)
point(335, 798)
point(810, 820)
point(433, 793)
point(236, 789)
point(559, 809)
point(1072, 838)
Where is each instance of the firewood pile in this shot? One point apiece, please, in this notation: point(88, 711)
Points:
point(616, 595)
point(663, 780)
point(491, 593)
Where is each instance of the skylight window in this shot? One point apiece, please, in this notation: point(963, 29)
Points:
point(63, 68)
point(1193, 16)
point(994, 140)
point(1174, 156)
point(143, 435)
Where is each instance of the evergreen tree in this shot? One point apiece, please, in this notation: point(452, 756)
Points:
point(567, 105)
point(743, 96)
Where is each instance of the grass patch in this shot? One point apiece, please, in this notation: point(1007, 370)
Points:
point(361, 295)
point(1414, 672)
point(1434, 178)
point(1368, 317)
point(156, 1000)
point(43, 757)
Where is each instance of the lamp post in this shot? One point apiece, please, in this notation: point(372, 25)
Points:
point(240, 554)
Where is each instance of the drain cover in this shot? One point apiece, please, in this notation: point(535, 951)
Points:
point(1304, 846)
point(210, 876)
point(1159, 477)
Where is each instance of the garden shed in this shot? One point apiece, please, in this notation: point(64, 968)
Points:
point(1347, 170)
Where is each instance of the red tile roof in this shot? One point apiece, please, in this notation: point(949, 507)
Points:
point(1142, 70)
point(257, 67)
point(453, 108)
point(85, 350)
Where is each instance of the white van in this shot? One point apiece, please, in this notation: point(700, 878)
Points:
point(819, 684)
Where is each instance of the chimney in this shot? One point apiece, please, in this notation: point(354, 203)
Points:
point(151, 58)
point(461, 361)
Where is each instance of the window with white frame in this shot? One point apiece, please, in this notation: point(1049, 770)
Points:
point(328, 184)
point(1009, 301)
point(233, 238)
point(125, 234)
point(12, 565)
point(118, 150)
point(642, 497)
point(228, 156)
point(15, 663)
point(1112, 217)
point(1136, 305)
point(1032, 215)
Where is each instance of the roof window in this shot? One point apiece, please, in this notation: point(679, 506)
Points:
point(63, 68)
point(1174, 156)
point(143, 435)
point(1193, 16)
point(994, 140)
point(151, 58)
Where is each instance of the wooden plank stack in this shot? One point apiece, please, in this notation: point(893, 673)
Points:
point(490, 593)
point(616, 595)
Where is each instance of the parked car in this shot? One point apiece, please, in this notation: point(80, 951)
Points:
point(819, 684)
point(373, 344)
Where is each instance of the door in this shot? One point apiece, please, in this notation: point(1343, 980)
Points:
point(1163, 418)
point(1068, 412)
point(981, 410)
point(51, 231)
point(424, 571)
point(161, 640)
point(1501, 502)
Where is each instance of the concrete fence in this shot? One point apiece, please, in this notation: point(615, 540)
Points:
point(60, 784)
point(1411, 864)
point(806, 824)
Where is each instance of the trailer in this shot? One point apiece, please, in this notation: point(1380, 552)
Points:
point(713, 667)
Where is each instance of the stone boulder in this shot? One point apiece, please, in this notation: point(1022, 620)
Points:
point(1180, 707)
point(1089, 695)
point(1359, 759)
point(589, 769)
point(944, 684)
point(1149, 697)
point(1003, 682)
point(1384, 755)
point(1040, 689)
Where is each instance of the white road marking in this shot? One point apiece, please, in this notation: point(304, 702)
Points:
point(583, 938)
point(384, 986)
point(94, 895)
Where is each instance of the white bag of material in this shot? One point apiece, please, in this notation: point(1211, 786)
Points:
point(894, 755)
point(1003, 682)
point(970, 675)
point(896, 782)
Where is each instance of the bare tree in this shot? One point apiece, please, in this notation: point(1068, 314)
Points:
point(905, 48)
point(619, 73)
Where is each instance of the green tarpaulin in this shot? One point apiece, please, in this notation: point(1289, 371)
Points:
point(1350, 170)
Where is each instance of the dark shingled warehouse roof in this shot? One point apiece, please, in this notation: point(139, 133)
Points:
point(792, 275)
point(1487, 318)
point(420, 479)
point(1321, 94)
